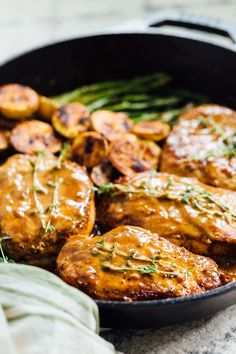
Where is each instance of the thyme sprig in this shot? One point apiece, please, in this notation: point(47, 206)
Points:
point(64, 154)
point(196, 196)
point(152, 268)
point(3, 257)
point(55, 204)
point(206, 122)
point(228, 148)
point(38, 188)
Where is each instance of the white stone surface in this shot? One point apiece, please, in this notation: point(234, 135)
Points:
point(29, 23)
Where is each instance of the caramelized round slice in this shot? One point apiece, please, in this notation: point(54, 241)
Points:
point(32, 136)
point(47, 107)
point(41, 205)
point(4, 139)
point(89, 149)
point(71, 119)
point(102, 174)
point(129, 155)
point(131, 264)
point(18, 101)
point(111, 124)
point(155, 131)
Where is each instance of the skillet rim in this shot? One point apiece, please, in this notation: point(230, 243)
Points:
point(190, 36)
point(146, 31)
point(224, 289)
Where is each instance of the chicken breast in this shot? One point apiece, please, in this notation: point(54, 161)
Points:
point(202, 144)
point(42, 202)
point(130, 263)
point(186, 212)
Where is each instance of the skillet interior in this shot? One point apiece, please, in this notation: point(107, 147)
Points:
point(202, 66)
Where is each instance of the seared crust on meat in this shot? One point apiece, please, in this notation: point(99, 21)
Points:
point(41, 205)
point(129, 263)
point(202, 144)
point(183, 210)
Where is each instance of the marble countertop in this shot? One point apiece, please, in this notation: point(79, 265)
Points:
point(26, 24)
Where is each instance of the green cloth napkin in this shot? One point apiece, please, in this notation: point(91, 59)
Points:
point(40, 314)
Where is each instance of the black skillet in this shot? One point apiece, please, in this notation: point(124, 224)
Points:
point(196, 61)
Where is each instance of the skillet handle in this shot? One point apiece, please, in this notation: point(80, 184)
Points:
point(192, 21)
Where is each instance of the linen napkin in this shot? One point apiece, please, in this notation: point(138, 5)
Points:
point(39, 313)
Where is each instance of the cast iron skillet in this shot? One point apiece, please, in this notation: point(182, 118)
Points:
point(197, 62)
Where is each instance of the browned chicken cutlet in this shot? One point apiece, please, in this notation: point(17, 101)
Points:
point(186, 212)
point(129, 263)
point(42, 202)
point(202, 144)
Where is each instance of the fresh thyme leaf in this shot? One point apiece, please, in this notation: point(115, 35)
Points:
point(36, 183)
point(4, 258)
point(38, 188)
point(108, 251)
point(206, 122)
point(149, 269)
point(49, 227)
point(228, 149)
point(101, 244)
point(64, 153)
point(196, 196)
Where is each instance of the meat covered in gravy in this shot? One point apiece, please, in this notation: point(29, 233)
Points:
point(202, 144)
point(43, 201)
point(129, 263)
point(186, 212)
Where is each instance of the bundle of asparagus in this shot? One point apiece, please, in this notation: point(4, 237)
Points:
point(148, 97)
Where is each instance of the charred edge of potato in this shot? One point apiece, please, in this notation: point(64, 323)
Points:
point(47, 107)
point(111, 124)
point(131, 155)
point(103, 173)
point(32, 136)
point(71, 119)
point(18, 101)
point(89, 149)
point(151, 130)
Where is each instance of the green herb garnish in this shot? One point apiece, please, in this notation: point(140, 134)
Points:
point(3, 257)
point(148, 97)
point(157, 260)
point(64, 154)
point(194, 195)
point(228, 142)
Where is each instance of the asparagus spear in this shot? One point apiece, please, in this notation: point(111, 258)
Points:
point(114, 87)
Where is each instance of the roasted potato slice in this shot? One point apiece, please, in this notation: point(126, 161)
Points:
point(18, 101)
point(71, 119)
point(111, 124)
point(89, 149)
point(31, 136)
point(4, 139)
point(131, 155)
point(102, 174)
point(151, 130)
point(47, 107)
